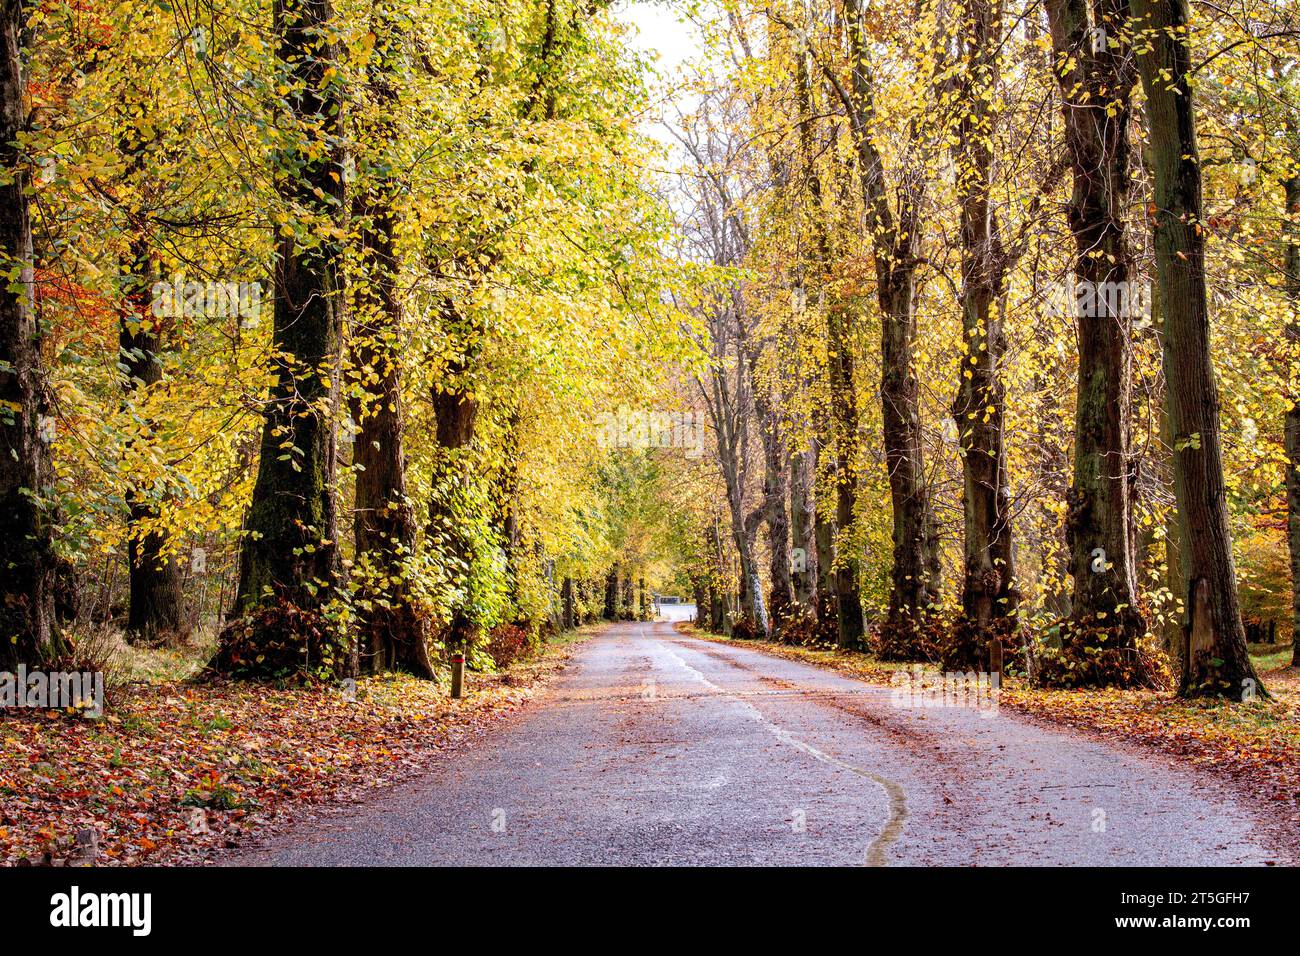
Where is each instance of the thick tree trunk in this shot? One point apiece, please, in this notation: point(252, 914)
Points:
point(289, 557)
point(455, 411)
point(988, 592)
point(844, 415)
point(913, 586)
point(27, 561)
point(394, 633)
point(1216, 661)
point(1094, 66)
point(568, 620)
point(611, 594)
point(895, 238)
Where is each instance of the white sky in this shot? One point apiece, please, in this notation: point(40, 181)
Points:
point(659, 29)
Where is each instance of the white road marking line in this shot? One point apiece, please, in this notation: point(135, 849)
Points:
point(875, 853)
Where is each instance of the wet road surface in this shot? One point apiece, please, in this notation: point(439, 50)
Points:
point(655, 748)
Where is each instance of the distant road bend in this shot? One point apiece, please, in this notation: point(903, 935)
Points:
point(653, 748)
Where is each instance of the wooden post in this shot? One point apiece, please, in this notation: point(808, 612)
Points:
point(995, 656)
point(457, 674)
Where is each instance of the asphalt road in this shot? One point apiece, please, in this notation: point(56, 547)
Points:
point(654, 748)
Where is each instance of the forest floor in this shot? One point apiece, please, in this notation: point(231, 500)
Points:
point(176, 769)
point(1255, 745)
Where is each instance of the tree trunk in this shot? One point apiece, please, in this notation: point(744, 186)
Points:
point(775, 516)
point(27, 561)
point(1291, 426)
point(1095, 70)
point(816, 582)
point(844, 416)
point(913, 586)
point(988, 592)
point(718, 623)
point(155, 611)
point(803, 529)
point(1216, 662)
point(394, 633)
point(824, 540)
point(700, 593)
point(288, 560)
point(894, 238)
point(611, 594)
point(568, 619)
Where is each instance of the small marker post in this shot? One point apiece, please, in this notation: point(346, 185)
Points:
point(457, 674)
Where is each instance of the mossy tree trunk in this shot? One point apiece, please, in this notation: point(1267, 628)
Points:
point(1291, 425)
point(394, 634)
point(288, 562)
point(155, 610)
point(28, 630)
point(894, 235)
point(802, 530)
point(1094, 67)
point(1215, 660)
point(988, 593)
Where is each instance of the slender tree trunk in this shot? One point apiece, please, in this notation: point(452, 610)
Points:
point(718, 622)
point(27, 561)
point(1216, 662)
point(394, 633)
point(773, 506)
point(824, 539)
point(1173, 630)
point(988, 593)
point(1291, 426)
point(803, 529)
point(155, 609)
point(1094, 66)
point(155, 612)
